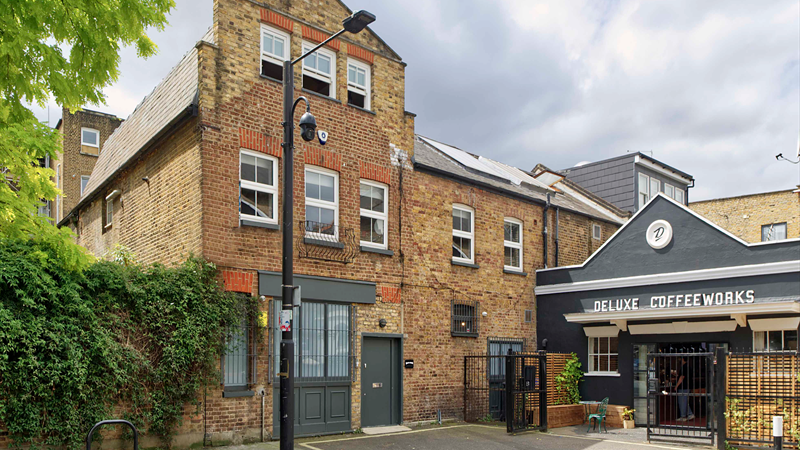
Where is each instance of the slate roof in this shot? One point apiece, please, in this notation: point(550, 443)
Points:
point(427, 157)
point(170, 98)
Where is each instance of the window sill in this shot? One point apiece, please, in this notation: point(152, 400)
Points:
point(307, 91)
point(90, 154)
point(270, 79)
point(322, 243)
point(379, 251)
point(457, 334)
point(515, 272)
point(254, 223)
point(235, 394)
point(368, 111)
point(464, 264)
point(602, 374)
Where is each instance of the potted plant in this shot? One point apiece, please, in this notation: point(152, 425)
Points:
point(627, 418)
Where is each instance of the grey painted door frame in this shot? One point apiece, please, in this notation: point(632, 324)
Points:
point(399, 338)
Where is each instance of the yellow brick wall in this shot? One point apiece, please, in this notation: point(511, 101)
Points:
point(743, 216)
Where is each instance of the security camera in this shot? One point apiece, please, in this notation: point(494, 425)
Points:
point(308, 127)
point(323, 137)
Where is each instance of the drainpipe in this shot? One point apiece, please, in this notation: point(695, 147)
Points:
point(544, 230)
point(556, 249)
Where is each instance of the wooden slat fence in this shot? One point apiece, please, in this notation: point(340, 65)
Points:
point(555, 365)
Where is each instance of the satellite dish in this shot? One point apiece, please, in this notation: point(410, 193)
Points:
point(583, 163)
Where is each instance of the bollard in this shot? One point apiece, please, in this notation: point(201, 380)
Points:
point(777, 431)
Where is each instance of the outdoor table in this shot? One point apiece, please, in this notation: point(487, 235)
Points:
point(587, 408)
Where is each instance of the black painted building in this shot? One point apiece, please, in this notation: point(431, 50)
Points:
point(667, 281)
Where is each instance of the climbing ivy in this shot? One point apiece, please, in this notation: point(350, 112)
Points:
point(73, 344)
point(568, 380)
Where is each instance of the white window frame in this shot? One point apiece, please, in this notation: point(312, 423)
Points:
point(597, 232)
point(269, 56)
point(657, 183)
point(376, 215)
point(260, 187)
point(366, 90)
point(772, 227)
point(766, 332)
point(314, 73)
point(83, 187)
point(512, 244)
point(322, 203)
point(590, 353)
point(669, 190)
point(96, 132)
point(463, 234)
point(646, 190)
point(679, 191)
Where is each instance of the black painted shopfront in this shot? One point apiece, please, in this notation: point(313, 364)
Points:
point(668, 283)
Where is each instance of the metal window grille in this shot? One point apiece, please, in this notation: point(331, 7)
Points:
point(241, 353)
point(324, 341)
point(465, 320)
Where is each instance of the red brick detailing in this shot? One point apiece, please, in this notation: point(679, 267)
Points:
point(253, 140)
point(360, 53)
point(315, 35)
point(390, 294)
point(323, 158)
point(238, 281)
point(277, 20)
point(374, 172)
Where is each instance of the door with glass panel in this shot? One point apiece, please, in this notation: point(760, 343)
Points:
point(641, 373)
point(323, 367)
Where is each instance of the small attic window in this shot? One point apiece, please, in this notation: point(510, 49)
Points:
point(597, 232)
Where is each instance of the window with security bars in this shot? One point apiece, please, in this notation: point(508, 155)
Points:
point(465, 320)
point(603, 355)
point(323, 334)
point(239, 360)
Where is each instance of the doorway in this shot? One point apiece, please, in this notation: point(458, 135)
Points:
point(381, 381)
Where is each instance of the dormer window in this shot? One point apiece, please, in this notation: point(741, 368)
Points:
point(358, 84)
point(319, 71)
point(274, 51)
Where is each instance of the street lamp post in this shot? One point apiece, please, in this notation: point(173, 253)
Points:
point(352, 24)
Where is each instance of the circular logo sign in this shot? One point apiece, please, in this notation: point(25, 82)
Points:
point(659, 234)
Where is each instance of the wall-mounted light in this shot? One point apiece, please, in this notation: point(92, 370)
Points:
point(382, 323)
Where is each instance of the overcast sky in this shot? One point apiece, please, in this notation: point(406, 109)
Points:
point(710, 87)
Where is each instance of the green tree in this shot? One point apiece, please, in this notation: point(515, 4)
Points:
point(34, 37)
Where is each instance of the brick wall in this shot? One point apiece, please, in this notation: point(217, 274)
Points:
point(743, 216)
point(74, 163)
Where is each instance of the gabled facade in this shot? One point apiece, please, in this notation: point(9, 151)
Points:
point(395, 289)
point(630, 181)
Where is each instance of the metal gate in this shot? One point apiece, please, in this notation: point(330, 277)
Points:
point(526, 391)
point(682, 395)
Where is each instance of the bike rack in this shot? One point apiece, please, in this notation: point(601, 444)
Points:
point(111, 422)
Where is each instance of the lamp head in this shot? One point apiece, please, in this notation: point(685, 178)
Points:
point(308, 126)
point(358, 21)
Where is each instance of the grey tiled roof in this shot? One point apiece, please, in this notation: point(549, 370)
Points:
point(173, 96)
point(425, 156)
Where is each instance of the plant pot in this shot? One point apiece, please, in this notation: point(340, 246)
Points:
point(628, 424)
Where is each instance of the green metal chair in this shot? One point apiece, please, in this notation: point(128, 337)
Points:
point(600, 416)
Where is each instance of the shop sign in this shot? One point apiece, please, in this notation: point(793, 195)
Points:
point(690, 300)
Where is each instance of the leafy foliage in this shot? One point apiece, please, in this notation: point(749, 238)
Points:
point(34, 36)
point(568, 380)
point(73, 344)
point(627, 413)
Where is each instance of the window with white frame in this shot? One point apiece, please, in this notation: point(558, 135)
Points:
point(358, 84)
point(644, 189)
point(108, 208)
point(319, 71)
point(775, 341)
point(258, 187)
point(322, 202)
point(374, 214)
point(84, 182)
point(512, 244)
point(679, 195)
point(274, 51)
point(90, 137)
point(603, 355)
point(597, 232)
point(773, 232)
point(463, 234)
point(655, 187)
point(669, 190)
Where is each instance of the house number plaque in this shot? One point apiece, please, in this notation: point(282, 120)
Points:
point(377, 385)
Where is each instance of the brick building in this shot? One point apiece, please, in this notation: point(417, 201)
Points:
point(82, 136)
point(410, 253)
point(761, 217)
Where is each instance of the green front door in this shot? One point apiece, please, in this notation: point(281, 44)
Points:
point(380, 382)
